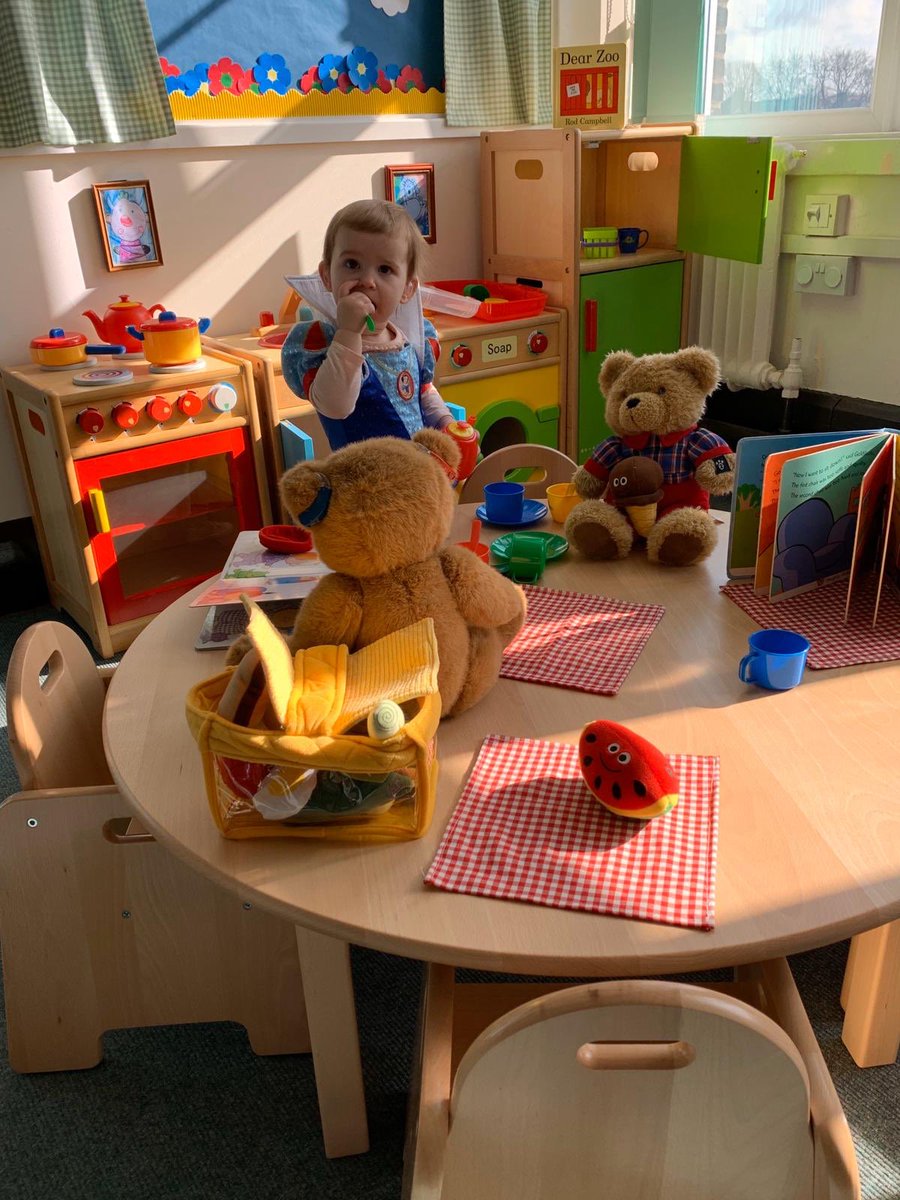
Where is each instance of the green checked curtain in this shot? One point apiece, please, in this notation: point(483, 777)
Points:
point(497, 61)
point(75, 71)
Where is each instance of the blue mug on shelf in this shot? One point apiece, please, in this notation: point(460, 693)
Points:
point(776, 660)
point(630, 239)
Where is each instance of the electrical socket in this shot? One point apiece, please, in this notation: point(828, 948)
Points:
point(825, 274)
point(825, 216)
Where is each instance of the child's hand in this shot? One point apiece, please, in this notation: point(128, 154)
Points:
point(352, 309)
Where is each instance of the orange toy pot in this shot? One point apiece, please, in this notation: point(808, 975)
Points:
point(60, 349)
point(171, 341)
point(118, 316)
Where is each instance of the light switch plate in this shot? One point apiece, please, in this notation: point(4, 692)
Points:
point(824, 274)
point(825, 216)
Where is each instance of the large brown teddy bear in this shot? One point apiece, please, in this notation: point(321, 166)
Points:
point(653, 405)
point(380, 511)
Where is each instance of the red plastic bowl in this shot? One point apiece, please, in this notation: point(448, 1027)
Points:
point(285, 539)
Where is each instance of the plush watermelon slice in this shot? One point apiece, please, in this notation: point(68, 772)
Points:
point(626, 773)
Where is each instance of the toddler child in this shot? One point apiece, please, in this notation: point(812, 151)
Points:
point(361, 374)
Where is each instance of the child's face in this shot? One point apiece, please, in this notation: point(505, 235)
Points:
point(372, 263)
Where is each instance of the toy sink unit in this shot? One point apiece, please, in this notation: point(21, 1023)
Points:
point(483, 299)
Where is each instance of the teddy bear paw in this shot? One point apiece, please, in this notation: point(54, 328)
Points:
point(681, 538)
point(598, 531)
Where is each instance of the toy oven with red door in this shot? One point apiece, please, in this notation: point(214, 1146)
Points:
point(139, 486)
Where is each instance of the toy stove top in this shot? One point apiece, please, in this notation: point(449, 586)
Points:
point(117, 405)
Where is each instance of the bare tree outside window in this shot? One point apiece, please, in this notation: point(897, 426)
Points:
point(793, 55)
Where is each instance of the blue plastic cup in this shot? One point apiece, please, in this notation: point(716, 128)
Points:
point(504, 502)
point(776, 660)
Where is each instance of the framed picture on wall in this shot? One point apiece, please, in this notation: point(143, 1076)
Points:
point(412, 187)
point(127, 224)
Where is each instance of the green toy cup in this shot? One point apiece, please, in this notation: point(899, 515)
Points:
point(527, 557)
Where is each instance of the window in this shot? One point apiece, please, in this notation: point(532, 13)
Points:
point(794, 66)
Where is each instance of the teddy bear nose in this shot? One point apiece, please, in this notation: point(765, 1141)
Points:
point(632, 401)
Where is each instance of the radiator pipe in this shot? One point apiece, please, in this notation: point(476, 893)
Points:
point(763, 375)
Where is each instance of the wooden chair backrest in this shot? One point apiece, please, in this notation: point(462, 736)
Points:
point(637, 1089)
point(547, 466)
point(287, 314)
point(54, 724)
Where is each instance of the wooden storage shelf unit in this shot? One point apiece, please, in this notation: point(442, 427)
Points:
point(542, 188)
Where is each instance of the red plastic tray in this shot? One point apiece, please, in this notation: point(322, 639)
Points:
point(507, 302)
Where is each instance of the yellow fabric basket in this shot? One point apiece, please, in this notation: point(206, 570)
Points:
point(323, 776)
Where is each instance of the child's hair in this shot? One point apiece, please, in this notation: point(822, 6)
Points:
point(377, 216)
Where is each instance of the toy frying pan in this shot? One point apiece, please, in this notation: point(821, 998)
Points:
point(285, 539)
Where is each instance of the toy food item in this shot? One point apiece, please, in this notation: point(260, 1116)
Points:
point(477, 290)
point(385, 720)
point(626, 773)
point(636, 485)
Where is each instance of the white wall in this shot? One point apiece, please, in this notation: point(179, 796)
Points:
point(849, 342)
point(232, 221)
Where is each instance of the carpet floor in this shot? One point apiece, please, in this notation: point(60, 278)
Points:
point(190, 1112)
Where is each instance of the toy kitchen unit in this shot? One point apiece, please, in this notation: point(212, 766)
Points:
point(140, 478)
point(505, 366)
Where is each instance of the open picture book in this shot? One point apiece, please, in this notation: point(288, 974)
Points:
point(814, 509)
point(262, 575)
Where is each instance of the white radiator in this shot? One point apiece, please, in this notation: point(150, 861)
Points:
point(732, 309)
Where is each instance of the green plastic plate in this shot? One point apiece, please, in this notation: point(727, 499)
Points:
point(556, 544)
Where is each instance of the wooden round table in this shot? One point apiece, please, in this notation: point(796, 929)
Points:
point(809, 829)
point(809, 833)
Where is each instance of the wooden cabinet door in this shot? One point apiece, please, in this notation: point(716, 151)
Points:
point(636, 309)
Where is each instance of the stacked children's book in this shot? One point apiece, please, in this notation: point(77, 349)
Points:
point(278, 582)
point(811, 509)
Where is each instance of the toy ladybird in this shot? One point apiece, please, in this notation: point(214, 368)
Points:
point(626, 773)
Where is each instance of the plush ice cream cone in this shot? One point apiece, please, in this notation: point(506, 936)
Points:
point(642, 517)
point(634, 486)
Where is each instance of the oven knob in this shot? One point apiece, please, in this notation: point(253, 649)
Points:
point(90, 420)
point(538, 341)
point(461, 355)
point(189, 403)
point(125, 416)
point(158, 410)
point(221, 397)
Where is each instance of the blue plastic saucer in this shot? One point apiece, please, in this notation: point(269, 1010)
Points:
point(532, 510)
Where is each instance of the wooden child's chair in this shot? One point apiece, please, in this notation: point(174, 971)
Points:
point(101, 927)
point(546, 465)
point(628, 1090)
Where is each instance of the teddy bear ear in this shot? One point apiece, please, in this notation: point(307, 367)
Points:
point(442, 444)
point(613, 366)
point(300, 485)
point(702, 364)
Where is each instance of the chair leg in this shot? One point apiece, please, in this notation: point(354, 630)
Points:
point(871, 997)
point(331, 1014)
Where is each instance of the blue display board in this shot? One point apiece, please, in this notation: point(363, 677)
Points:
point(299, 45)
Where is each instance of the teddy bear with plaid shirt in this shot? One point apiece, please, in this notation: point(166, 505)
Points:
point(653, 406)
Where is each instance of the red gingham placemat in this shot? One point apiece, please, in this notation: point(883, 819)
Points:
point(577, 640)
point(819, 616)
point(527, 828)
